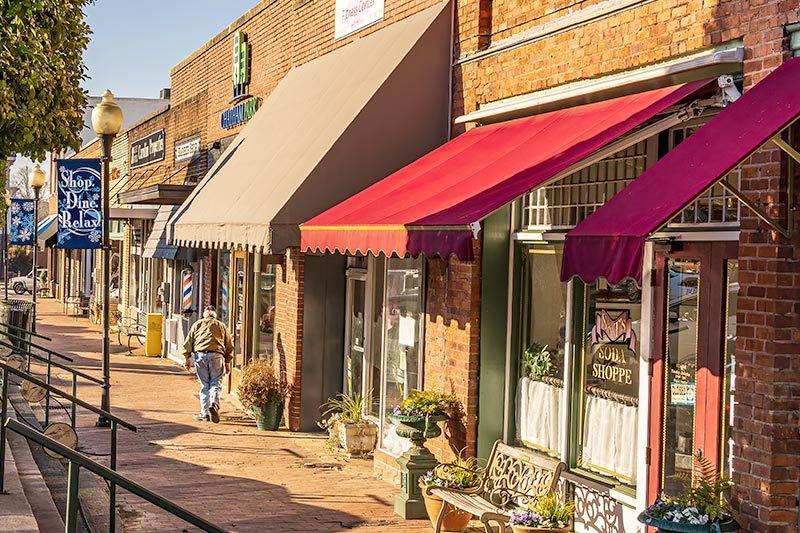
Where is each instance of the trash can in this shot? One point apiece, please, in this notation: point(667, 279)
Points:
point(153, 335)
point(18, 313)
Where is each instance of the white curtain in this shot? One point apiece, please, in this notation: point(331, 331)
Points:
point(539, 415)
point(609, 438)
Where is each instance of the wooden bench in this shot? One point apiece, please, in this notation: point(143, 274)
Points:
point(513, 478)
point(132, 328)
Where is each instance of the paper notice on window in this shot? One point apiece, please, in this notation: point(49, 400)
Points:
point(408, 330)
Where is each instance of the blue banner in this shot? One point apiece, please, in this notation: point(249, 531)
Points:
point(80, 218)
point(22, 229)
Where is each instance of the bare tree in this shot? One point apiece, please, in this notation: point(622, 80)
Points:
point(19, 186)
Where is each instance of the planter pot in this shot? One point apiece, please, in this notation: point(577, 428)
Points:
point(418, 428)
point(667, 526)
point(358, 439)
point(456, 519)
point(268, 416)
point(528, 529)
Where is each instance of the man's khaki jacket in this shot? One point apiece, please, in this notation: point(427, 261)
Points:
point(209, 335)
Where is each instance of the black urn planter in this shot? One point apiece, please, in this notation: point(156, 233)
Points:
point(667, 526)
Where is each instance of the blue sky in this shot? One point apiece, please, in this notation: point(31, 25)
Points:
point(135, 43)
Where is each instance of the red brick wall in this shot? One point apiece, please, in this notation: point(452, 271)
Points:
point(452, 317)
point(288, 336)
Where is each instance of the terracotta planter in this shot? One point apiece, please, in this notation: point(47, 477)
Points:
point(527, 529)
point(358, 439)
point(456, 520)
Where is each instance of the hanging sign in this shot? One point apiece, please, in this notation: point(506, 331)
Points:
point(612, 363)
point(148, 149)
point(352, 15)
point(80, 218)
point(22, 226)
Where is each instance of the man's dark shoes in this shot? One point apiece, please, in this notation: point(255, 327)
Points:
point(213, 410)
point(202, 418)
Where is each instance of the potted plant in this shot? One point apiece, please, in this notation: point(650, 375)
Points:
point(419, 414)
point(537, 362)
point(347, 426)
point(545, 514)
point(702, 508)
point(261, 391)
point(462, 474)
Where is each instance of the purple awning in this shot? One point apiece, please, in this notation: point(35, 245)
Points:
point(610, 242)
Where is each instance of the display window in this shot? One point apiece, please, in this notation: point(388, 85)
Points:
point(224, 288)
point(265, 286)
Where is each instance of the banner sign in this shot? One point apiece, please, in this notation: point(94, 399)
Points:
point(148, 150)
point(22, 230)
point(352, 15)
point(239, 114)
point(80, 212)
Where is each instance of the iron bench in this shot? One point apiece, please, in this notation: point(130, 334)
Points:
point(513, 477)
point(132, 328)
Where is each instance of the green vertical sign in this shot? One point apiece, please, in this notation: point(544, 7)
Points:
point(241, 63)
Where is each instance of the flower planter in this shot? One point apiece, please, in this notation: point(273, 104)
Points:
point(418, 428)
point(529, 529)
point(668, 526)
point(456, 520)
point(268, 416)
point(357, 439)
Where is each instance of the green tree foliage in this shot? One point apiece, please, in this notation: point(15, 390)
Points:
point(41, 70)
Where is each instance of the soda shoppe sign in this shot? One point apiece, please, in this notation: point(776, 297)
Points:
point(148, 150)
point(612, 364)
point(79, 204)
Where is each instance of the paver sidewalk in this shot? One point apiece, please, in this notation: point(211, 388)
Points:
point(238, 477)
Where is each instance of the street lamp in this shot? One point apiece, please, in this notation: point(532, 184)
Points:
point(106, 122)
point(7, 199)
point(36, 180)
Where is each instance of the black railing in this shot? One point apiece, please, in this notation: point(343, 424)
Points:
point(27, 331)
point(78, 460)
point(115, 421)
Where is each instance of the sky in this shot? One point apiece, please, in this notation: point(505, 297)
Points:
point(135, 44)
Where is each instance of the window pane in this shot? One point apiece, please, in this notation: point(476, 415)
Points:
point(730, 366)
point(401, 340)
point(610, 380)
point(541, 380)
point(266, 324)
point(355, 351)
point(683, 295)
point(223, 297)
point(238, 317)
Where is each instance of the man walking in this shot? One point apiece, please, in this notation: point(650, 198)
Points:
point(210, 342)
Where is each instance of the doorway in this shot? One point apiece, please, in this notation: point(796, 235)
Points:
point(696, 285)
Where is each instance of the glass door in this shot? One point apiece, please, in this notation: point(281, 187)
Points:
point(694, 316)
point(356, 351)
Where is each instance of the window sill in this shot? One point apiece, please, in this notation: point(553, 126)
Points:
point(624, 494)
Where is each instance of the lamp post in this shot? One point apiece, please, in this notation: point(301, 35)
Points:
point(36, 181)
point(5, 233)
point(106, 122)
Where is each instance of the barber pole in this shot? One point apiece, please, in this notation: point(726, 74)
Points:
point(188, 281)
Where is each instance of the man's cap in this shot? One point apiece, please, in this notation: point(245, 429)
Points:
point(209, 308)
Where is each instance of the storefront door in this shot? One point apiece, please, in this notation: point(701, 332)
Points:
point(692, 370)
point(238, 315)
point(356, 379)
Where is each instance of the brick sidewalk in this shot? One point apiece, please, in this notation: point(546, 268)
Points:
point(236, 476)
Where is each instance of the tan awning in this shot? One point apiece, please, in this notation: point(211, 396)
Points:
point(330, 128)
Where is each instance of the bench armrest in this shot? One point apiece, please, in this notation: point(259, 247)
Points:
point(474, 490)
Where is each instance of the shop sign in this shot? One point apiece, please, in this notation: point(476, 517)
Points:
point(148, 149)
point(353, 15)
point(187, 149)
point(22, 226)
point(241, 64)
point(239, 114)
point(80, 220)
point(612, 363)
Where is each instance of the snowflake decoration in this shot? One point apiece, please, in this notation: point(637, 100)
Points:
point(15, 208)
point(16, 221)
point(95, 197)
point(27, 206)
point(94, 236)
point(24, 235)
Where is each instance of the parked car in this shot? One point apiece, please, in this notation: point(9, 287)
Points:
point(23, 284)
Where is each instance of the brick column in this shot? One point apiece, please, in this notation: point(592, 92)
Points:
point(289, 329)
point(452, 316)
point(766, 454)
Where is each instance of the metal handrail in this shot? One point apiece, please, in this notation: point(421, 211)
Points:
point(29, 332)
point(77, 461)
point(37, 346)
point(114, 420)
point(50, 363)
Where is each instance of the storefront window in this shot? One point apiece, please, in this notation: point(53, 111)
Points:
point(223, 296)
point(609, 380)
point(135, 273)
point(541, 382)
point(683, 296)
point(238, 312)
point(730, 366)
point(375, 372)
point(401, 342)
point(266, 303)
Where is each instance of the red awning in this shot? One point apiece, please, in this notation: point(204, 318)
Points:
point(610, 242)
point(428, 206)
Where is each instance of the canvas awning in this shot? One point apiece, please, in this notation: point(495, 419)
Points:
point(47, 228)
point(157, 245)
point(330, 128)
point(433, 205)
point(610, 242)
